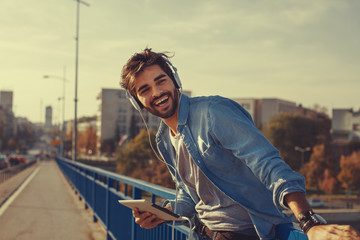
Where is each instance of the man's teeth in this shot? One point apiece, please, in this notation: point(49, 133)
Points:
point(161, 100)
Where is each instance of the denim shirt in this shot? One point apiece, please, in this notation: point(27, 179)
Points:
point(235, 156)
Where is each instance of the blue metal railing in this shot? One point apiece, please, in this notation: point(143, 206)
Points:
point(101, 191)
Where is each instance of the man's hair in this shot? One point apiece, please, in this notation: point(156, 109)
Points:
point(138, 62)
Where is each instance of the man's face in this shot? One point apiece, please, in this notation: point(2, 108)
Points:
point(156, 91)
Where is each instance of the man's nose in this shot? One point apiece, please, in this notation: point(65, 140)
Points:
point(157, 92)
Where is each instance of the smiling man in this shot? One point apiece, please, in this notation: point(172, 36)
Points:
point(232, 182)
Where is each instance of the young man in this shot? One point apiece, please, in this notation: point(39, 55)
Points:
point(228, 175)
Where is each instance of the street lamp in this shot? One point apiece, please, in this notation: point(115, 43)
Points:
point(302, 150)
point(76, 70)
point(63, 79)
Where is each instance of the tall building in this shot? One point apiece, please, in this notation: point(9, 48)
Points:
point(6, 100)
point(345, 125)
point(48, 117)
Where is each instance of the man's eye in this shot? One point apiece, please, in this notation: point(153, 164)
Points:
point(144, 91)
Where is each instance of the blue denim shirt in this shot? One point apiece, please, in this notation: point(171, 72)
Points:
point(224, 142)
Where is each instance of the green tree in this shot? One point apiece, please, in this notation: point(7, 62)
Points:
point(286, 131)
point(137, 153)
point(137, 159)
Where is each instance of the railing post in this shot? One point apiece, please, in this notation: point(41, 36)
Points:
point(93, 196)
point(86, 197)
point(137, 193)
point(107, 207)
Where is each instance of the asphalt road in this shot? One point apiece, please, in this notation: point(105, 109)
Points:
point(47, 208)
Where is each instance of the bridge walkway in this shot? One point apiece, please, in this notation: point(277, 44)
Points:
point(45, 207)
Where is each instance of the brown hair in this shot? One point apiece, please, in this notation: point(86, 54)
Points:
point(138, 62)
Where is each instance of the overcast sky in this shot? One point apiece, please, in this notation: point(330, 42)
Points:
point(303, 51)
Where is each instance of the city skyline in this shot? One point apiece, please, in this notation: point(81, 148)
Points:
point(301, 51)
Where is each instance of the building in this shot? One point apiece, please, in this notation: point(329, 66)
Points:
point(253, 106)
point(270, 107)
point(118, 120)
point(262, 110)
point(345, 125)
point(7, 127)
point(6, 100)
point(48, 117)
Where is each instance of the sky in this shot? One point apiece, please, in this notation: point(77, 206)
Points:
point(303, 51)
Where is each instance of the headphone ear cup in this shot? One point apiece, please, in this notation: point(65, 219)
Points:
point(175, 74)
point(177, 79)
point(133, 101)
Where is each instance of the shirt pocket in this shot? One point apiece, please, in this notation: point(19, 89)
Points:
point(217, 160)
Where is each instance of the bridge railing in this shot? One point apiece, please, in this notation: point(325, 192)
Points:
point(102, 189)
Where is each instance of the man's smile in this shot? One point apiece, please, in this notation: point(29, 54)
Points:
point(161, 100)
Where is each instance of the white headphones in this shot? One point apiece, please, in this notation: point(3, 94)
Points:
point(178, 85)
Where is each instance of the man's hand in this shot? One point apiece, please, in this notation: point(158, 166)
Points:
point(333, 232)
point(146, 219)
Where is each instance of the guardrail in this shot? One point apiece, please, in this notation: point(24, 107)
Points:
point(101, 191)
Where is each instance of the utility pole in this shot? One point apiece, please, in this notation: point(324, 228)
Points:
point(76, 71)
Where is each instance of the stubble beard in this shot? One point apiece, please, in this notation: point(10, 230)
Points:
point(174, 98)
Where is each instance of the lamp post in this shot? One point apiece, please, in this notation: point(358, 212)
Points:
point(63, 79)
point(76, 70)
point(302, 150)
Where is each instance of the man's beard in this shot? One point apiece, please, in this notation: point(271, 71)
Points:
point(174, 98)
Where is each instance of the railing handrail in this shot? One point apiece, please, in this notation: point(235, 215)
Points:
point(138, 183)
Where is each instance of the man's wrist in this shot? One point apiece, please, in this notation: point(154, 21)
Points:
point(309, 219)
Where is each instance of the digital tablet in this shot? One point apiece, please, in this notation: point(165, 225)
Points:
point(145, 206)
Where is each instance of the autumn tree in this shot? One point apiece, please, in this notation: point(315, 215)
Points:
point(314, 169)
point(319, 171)
point(349, 175)
point(137, 159)
point(87, 141)
point(286, 131)
point(329, 183)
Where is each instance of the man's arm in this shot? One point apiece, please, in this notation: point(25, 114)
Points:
point(298, 204)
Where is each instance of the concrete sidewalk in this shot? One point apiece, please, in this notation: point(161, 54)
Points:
point(47, 208)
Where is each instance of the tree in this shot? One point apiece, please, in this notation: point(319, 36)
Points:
point(314, 169)
point(350, 168)
point(87, 141)
point(330, 184)
point(286, 131)
point(137, 159)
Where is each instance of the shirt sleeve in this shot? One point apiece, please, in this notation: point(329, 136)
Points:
point(233, 128)
point(183, 205)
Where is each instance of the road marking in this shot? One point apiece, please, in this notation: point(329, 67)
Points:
point(18, 191)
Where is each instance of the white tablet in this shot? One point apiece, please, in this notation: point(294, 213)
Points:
point(145, 206)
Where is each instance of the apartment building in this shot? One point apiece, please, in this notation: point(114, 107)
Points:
point(262, 110)
point(345, 125)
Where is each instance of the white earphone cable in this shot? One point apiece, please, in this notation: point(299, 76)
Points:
point(176, 191)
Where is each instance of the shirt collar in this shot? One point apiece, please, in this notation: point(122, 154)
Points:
point(184, 107)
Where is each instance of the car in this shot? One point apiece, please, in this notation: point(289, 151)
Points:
point(316, 203)
point(14, 160)
point(3, 162)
